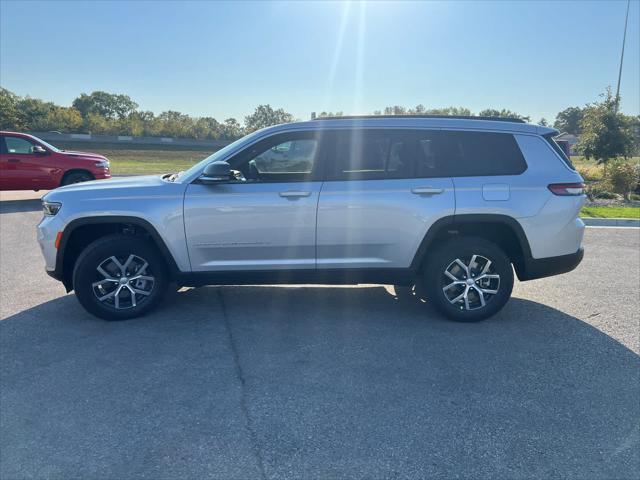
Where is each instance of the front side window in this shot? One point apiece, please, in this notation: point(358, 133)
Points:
point(281, 158)
point(293, 157)
point(18, 146)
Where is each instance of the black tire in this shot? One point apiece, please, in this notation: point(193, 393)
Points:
point(76, 177)
point(122, 247)
point(415, 292)
point(443, 258)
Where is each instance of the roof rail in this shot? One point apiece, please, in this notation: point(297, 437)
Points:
point(464, 117)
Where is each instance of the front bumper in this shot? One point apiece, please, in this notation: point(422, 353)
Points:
point(533, 268)
point(47, 231)
point(102, 174)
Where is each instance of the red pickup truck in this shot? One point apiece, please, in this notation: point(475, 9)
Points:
point(28, 163)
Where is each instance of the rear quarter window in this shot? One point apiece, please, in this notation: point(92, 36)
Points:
point(468, 154)
point(559, 151)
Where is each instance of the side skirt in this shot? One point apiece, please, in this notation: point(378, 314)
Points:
point(395, 276)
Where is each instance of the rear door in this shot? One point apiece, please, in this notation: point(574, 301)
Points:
point(379, 198)
point(488, 173)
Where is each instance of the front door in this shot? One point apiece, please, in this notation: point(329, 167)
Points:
point(20, 167)
point(265, 218)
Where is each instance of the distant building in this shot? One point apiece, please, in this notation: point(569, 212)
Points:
point(568, 139)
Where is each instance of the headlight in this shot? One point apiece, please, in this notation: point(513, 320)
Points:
point(102, 164)
point(51, 208)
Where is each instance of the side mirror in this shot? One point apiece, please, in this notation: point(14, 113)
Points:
point(216, 172)
point(38, 150)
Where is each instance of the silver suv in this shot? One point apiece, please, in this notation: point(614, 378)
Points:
point(445, 204)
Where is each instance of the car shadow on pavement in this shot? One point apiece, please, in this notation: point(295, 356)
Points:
point(16, 206)
point(314, 382)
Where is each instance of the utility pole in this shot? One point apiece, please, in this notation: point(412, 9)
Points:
point(624, 38)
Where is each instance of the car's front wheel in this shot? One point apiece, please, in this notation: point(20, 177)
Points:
point(468, 279)
point(120, 277)
point(76, 177)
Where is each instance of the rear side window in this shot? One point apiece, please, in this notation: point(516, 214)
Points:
point(467, 154)
point(370, 155)
point(558, 150)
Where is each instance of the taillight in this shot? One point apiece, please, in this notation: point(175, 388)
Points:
point(567, 189)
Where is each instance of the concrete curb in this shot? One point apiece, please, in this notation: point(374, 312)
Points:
point(611, 222)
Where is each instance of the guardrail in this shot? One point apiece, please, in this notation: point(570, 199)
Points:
point(126, 139)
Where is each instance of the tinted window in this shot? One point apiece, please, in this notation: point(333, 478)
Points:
point(365, 155)
point(464, 154)
point(18, 146)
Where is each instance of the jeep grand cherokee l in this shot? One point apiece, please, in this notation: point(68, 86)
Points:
point(454, 205)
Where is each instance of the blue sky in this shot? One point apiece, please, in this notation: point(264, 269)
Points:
point(222, 59)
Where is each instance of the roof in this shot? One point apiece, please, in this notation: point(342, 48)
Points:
point(415, 121)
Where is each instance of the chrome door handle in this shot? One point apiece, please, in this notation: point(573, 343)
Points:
point(294, 194)
point(427, 190)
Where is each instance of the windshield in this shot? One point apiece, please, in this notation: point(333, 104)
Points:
point(48, 145)
point(219, 155)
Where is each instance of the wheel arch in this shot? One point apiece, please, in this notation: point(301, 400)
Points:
point(505, 231)
point(82, 231)
point(71, 171)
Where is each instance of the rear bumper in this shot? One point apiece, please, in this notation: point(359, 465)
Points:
point(545, 267)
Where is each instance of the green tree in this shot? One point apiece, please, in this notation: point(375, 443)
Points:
point(265, 116)
point(232, 129)
point(568, 120)
point(108, 105)
point(605, 133)
point(207, 127)
point(34, 111)
point(458, 111)
point(504, 113)
point(11, 118)
point(621, 176)
point(395, 110)
point(62, 119)
point(99, 125)
point(173, 124)
point(543, 122)
point(330, 114)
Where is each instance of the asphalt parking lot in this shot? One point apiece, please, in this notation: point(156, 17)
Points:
point(321, 382)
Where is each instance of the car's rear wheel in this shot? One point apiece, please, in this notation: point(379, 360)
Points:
point(468, 279)
point(76, 177)
point(119, 277)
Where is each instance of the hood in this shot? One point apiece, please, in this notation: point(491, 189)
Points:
point(114, 184)
point(91, 156)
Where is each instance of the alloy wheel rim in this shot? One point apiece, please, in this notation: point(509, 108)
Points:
point(470, 283)
point(123, 283)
